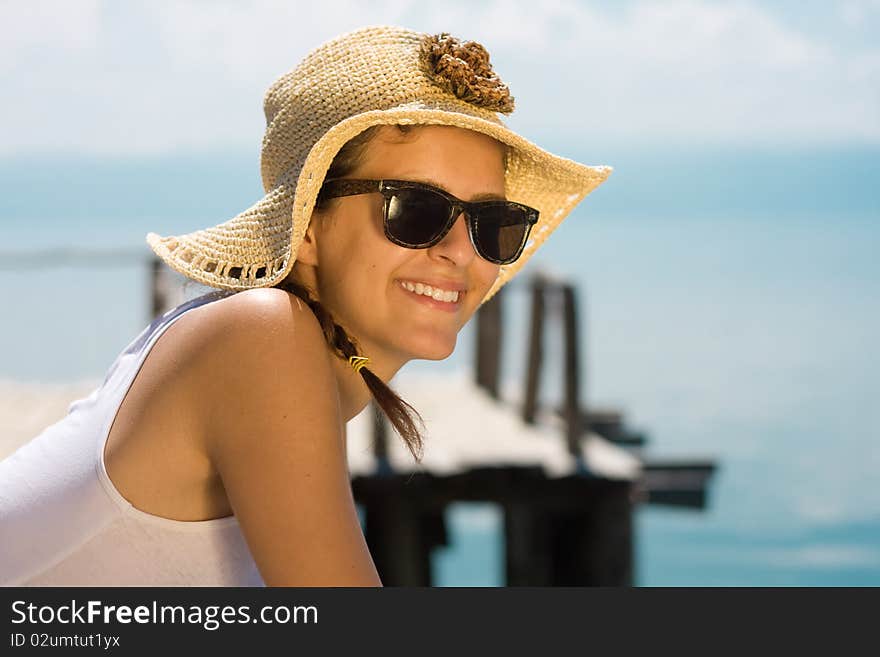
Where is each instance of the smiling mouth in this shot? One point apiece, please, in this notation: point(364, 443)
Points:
point(437, 294)
point(431, 301)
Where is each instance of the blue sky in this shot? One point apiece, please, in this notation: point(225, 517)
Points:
point(172, 76)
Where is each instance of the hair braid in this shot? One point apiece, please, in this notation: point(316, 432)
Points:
point(336, 336)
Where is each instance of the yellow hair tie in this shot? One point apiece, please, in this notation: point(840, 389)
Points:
point(357, 362)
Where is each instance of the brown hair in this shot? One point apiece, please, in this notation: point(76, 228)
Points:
point(399, 413)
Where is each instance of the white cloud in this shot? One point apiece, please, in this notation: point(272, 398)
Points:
point(856, 12)
point(176, 75)
point(30, 29)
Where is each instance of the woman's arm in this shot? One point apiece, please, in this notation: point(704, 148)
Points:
point(274, 435)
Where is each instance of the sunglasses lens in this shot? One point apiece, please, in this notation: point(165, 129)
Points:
point(416, 216)
point(501, 231)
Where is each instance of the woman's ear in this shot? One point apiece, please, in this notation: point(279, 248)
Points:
point(307, 253)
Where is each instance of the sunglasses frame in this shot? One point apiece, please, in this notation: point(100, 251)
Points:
point(338, 187)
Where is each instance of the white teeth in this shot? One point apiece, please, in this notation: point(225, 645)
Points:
point(427, 290)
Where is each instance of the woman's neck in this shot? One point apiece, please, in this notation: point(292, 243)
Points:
point(354, 395)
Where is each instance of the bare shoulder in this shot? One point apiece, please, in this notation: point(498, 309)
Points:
point(262, 335)
point(265, 302)
point(274, 434)
point(233, 339)
point(252, 353)
point(269, 309)
point(239, 332)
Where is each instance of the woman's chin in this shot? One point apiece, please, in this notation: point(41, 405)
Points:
point(435, 351)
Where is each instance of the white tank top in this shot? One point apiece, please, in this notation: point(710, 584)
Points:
point(63, 523)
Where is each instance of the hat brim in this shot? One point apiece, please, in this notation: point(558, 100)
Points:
point(257, 248)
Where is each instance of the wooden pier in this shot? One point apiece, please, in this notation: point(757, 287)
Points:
point(570, 530)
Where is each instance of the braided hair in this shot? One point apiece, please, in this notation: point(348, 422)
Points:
point(399, 413)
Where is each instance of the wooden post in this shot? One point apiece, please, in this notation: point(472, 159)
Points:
point(530, 400)
point(396, 540)
point(158, 298)
point(488, 352)
point(380, 439)
point(593, 545)
point(528, 557)
point(572, 410)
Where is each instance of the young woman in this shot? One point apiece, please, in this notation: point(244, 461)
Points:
point(214, 453)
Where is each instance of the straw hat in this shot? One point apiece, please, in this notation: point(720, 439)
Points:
point(374, 75)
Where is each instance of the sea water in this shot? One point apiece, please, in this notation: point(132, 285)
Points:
point(728, 306)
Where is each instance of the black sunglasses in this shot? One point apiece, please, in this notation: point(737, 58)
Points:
point(417, 215)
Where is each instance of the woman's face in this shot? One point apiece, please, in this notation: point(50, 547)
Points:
point(359, 272)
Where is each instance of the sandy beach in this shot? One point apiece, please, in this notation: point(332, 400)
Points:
point(28, 408)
